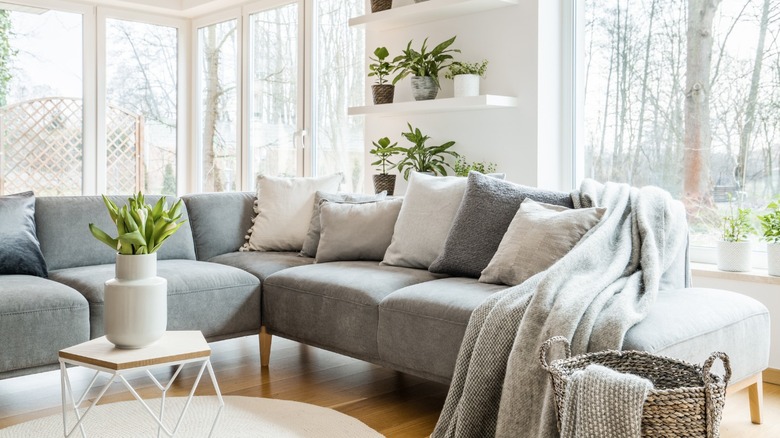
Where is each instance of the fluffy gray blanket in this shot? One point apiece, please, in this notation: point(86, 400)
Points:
point(601, 402)
point(592, 296)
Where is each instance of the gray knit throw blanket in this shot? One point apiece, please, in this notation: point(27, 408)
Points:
point(601, 402)
point(592, 296)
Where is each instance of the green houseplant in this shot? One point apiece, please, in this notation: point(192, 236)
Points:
point(735, 248)
point(422, 158)
point(135, 304)
point(770, 227)
point(466, 76)
point(383, 150)
point(381, 69)
point(424, 66)
point(463, 167)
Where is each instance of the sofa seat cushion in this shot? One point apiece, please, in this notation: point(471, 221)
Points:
point(690, 324)
point(38, 317)
point(261, 264)
point(421, 327)
point(221, 301)
point(334, 305)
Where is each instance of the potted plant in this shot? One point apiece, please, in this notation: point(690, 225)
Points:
point(383, 150)
point(381, 5)
point(422, 158)
point(466, 76)
point(382, 91)
point(463, 167)
point(770, 225)
point(424, 66)
point(136, 301)
point(735, 248)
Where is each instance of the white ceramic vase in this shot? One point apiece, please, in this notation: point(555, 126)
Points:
point(773, 259)
point(735, 256)
point(136, 302)
point(466, 85)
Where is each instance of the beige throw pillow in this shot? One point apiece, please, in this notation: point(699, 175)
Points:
point(538, 236)
point(356, 231)
point(427, 213)
point(283, 209)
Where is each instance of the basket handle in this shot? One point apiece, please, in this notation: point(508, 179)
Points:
point(546, 347)
point(705, 369)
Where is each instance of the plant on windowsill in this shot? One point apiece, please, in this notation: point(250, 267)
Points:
point(424, 66)
point(466, 76)
point(735, 248)
point(422, 158)
point(135, 305)
point(463, 167)
point(383, 150)
point(381, 68)
point(770, 225)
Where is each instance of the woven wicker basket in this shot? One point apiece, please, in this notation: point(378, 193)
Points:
point(686, 401)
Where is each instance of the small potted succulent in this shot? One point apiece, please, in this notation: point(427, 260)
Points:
point(422, 158)
point(466, 76)
point(381, 5)
point(463, 167)
point(381, 69)
point(770, 225)
point(735, 248)
point(383, 150)
point(424, 66)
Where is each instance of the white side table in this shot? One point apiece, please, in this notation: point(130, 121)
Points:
point(173, 349)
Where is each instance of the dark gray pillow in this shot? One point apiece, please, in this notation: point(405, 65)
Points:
point(20, 252)
point(487, 209)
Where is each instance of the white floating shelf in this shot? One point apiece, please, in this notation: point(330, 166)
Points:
point(424, 12)
point(437, 105)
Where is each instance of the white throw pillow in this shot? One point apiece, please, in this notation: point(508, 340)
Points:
point(283, 211)
point(429, 207)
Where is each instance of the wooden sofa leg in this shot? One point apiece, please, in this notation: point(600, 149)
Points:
point(265, 346)
point(756, 397)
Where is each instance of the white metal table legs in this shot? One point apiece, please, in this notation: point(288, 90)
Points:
point(68, 397)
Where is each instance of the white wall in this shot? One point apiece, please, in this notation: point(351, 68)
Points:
point(525, 142)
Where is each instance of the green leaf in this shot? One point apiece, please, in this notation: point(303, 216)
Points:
point(103, 237)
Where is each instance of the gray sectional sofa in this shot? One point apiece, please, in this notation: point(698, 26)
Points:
point(407, 319)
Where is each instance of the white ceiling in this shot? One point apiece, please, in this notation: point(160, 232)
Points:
point(181, 8)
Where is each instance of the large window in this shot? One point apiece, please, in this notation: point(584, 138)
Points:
point(683, 94)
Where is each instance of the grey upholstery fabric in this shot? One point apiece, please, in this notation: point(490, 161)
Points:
point(334, 305)
point(219, 221)
point(421, 327)
point(38, 317)
point(63, 230)
point(215, 299)
point(261, 264)
point(20, 252)
point(356, 231)
point(692, 323)
point(483, 217)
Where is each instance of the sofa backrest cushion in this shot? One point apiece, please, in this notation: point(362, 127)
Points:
point(66, 242)
point(219, 221)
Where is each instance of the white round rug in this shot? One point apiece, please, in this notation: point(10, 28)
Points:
point(241, 417)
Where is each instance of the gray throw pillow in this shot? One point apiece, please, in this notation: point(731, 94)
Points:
point(539, 235)
point(356, 231)
point(483, 217)
point(20, 252)
point(312, 239)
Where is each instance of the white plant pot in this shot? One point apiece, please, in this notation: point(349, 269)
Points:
point(466, 85)
point(735, 256)
point(773, 259)
point(136, 302)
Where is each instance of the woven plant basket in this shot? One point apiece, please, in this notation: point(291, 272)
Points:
point(384, 182)
point(383, 93)
point(381, 5)
point(686, 401)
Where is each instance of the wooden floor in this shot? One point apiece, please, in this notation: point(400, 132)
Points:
point(395, 404)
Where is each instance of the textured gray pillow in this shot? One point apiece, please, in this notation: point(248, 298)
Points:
point(539, 235)
point(483, 217)
point(312, 239)
point(356, 231)
point(20, 252)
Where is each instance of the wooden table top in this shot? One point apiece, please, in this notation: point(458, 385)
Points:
point(174, 346)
